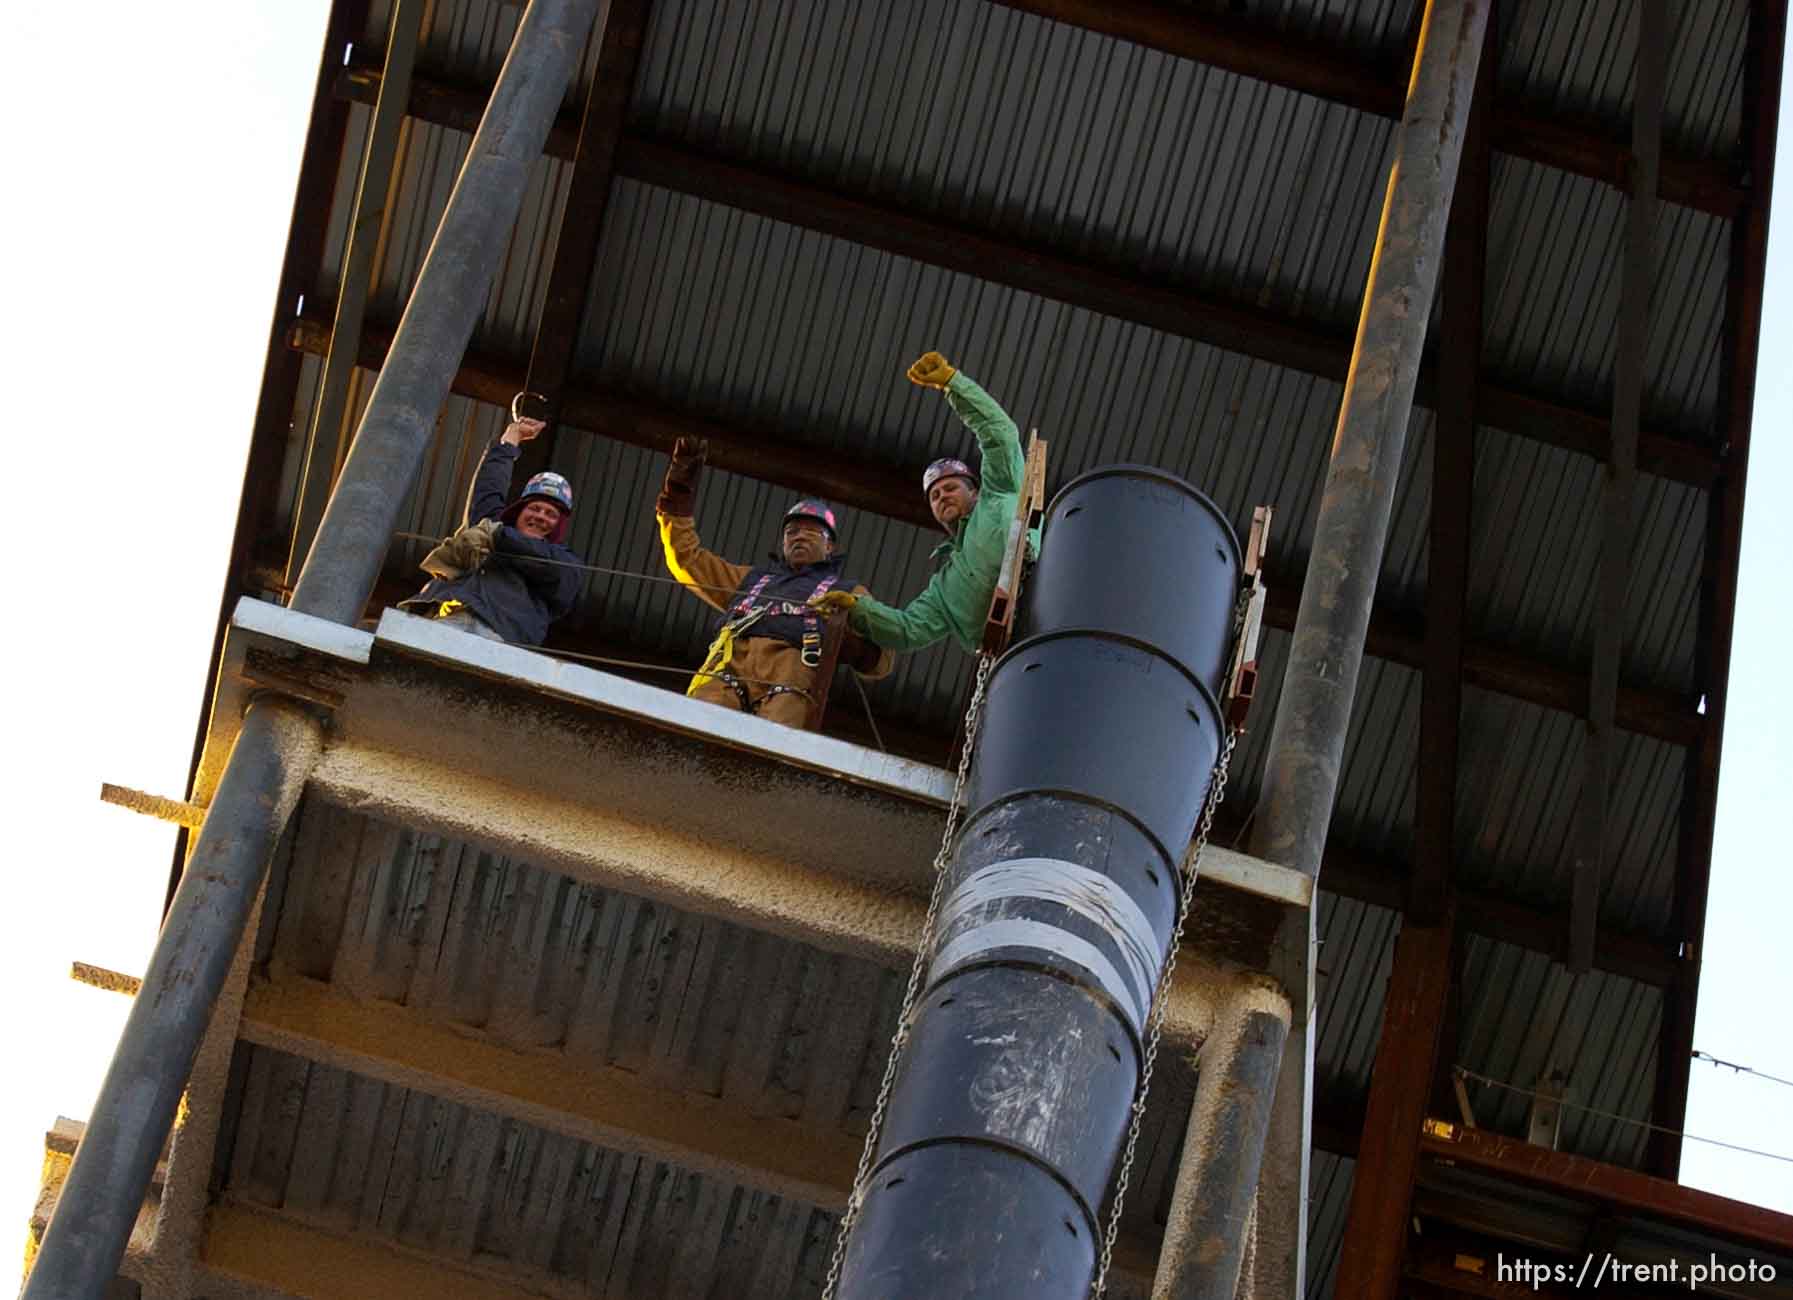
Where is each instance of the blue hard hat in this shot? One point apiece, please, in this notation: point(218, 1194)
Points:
point(548, 486)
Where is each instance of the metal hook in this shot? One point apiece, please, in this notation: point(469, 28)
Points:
point(517, 404)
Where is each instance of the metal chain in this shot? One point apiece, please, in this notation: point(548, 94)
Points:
point(856, 1198)
point(1161, 997)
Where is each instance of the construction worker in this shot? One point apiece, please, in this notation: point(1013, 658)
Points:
point(768, 648)
point(975, 511)
point(506, 575)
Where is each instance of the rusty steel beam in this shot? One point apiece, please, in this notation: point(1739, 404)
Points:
point(1312, 347)
point(775, 457)
point(1375, 1235)
point(1718, 584)
point(319, 164)
point(1637, 282)
point(582, 222)
point(1613, 1186)
point(1372, 83)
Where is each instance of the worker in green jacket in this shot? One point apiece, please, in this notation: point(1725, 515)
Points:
point(975, 510)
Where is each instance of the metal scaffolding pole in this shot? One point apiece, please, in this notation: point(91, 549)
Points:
point(1217, 1178)
point(1307, 740)
point(445, 304)
point(280, 743)
point(275, 751)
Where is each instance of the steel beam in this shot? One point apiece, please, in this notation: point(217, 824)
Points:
point(276, 749)
point(1312, 347)
point(318, 168)
point(582, 221)
point(445, 303)
point(1596, 1183)
point(367, 219)
point(1453, 479)
point(1371, 83)
point(1718, 585)
point(1375, 1236)
point(1307, 739)
point(778, 457)
point(1637, 285)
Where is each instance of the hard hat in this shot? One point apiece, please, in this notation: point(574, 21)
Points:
point(548, 486)
point(946, 467)
point(812, 508)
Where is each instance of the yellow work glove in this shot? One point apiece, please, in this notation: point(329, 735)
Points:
point(932, 371)
point(834, 602)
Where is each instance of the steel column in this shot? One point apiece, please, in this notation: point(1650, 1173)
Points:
point(278, 746)
point(1307, 740)
point(1207, 1232)
point(445, 304)
point(368, 215)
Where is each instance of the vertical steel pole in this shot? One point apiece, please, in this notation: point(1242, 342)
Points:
point(1207, 1231)
point(451, 291)
point(1307, 741)
point(275, 751)
point(280, 743)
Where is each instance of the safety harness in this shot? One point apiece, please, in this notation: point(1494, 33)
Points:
point(742, 615)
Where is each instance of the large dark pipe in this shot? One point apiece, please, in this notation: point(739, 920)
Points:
point(86, 1238)
point(451, 292)
point(1100, 732)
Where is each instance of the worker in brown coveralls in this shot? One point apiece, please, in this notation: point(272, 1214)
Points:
point(768, 646)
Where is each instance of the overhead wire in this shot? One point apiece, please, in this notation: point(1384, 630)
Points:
point(1464, 1072)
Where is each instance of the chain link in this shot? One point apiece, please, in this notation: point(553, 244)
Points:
point(856, 1198)
point(1161, 997)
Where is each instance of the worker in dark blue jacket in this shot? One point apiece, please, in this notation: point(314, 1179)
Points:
point(506, 575)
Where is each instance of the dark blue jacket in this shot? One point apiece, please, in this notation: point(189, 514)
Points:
point(513, 592)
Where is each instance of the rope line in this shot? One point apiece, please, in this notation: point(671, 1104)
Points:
point(1742, 1069)
point(1465, 1073)
point(865, 700)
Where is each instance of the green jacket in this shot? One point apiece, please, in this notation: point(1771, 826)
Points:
point(956, 600)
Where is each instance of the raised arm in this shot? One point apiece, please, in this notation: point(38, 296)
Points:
point(702, 572)
point(491, 488)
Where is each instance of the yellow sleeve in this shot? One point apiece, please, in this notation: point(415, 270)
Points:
point(703, 573)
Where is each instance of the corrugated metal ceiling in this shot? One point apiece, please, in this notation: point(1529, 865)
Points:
point(1197, 178)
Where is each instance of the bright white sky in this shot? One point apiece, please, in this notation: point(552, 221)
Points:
point(154, 162)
